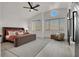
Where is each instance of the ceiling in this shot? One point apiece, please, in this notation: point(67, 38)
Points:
point(15, 9)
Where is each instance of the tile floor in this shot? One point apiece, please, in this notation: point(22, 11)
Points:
point(77, 50)
point(39, 48)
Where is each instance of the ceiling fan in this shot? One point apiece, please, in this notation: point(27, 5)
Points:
point(32, 7)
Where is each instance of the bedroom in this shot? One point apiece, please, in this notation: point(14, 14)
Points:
point(43, 23)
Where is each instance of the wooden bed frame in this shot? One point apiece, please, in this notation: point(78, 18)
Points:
point(19, 40)
point(4, 29)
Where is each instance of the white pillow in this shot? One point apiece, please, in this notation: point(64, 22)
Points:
point(12, 32)
point(57, 34)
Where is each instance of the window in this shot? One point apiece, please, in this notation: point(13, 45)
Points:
point(54, 25)
point(36, 25)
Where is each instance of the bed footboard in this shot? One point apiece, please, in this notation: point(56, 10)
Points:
point(24, 39)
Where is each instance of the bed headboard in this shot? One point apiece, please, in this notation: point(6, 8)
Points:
point(4, 29)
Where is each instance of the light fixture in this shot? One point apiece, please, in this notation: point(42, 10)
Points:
point(54, 13)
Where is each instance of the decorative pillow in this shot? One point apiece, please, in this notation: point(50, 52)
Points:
point(20, 32)
point(57, 34)
point(12, 32)
point(16, 33)
point(26, 32)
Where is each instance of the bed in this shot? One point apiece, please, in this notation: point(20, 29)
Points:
point(18, 36)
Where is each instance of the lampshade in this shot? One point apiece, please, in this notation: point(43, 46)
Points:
point(26, 28)
point(54, 13)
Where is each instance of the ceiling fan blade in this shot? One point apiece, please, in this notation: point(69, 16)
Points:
point(27, 7)
point(35, 9)
point(35, 6)
point(30, 5)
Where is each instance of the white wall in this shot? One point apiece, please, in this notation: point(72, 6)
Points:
point(62, 13)
point(0, 21)
point(0, 18)
point(12, 15)
point(30, 21)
